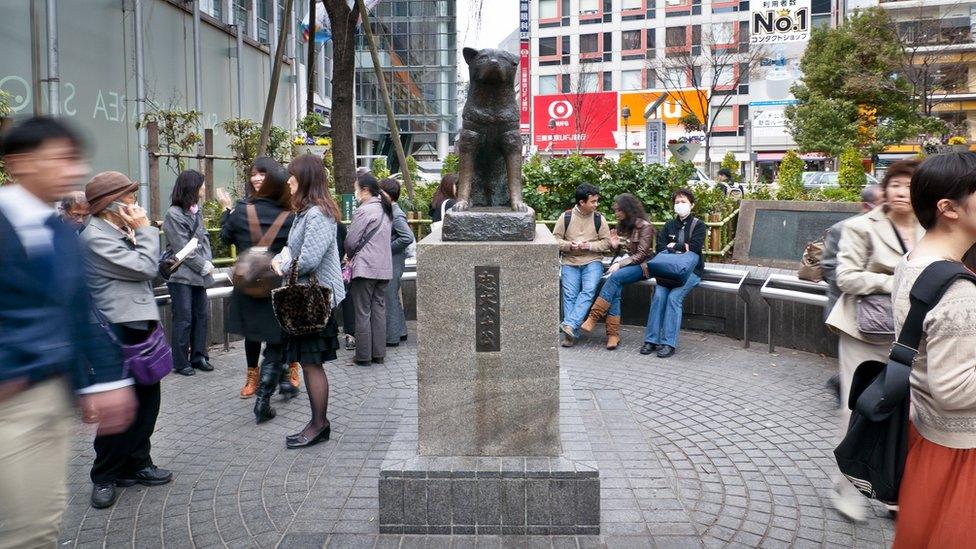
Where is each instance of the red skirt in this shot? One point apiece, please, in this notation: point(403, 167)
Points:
point(937, 501)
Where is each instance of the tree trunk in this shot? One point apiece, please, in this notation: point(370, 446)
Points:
point(343, 20)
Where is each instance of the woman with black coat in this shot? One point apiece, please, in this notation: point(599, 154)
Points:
point(254, 317)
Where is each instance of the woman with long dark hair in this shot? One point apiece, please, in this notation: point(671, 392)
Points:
point(313, 247)
point(371, 263)
point(267, 205)
point(188, 283)
point(401, 237)
point(635, 234)
point(444, 197)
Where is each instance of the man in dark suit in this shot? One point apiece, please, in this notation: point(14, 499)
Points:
point(49, 342)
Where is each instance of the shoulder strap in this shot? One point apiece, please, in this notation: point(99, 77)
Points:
point(270, 236)
point(567, 217)
point(894, 229)
point(253, 225)
point(597, 221)
point(365, 240)
point(928, 289)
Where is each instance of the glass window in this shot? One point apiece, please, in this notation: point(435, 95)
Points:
point(564, 83)
point(633, 5)
point(722, 33)
point(724, 75)
point(631, 40)
point(607, 81)
point(724, 117)
point(547, 9)
point(547, 46)
point(548, 85)
point(588, 82)
point(589, 43)
point(631, 80)
point(675, 77)
point(675, 36)
point(588, 7)
point(818, 21)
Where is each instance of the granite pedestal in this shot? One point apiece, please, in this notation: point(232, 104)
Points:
point(497, 223)
point(485, 455)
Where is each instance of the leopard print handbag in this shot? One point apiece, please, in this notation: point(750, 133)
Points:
point(302, 308)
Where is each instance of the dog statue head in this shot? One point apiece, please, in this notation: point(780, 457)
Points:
point(490, 66)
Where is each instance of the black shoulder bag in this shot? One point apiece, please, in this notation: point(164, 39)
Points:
point(872, 454)
point(168, 264)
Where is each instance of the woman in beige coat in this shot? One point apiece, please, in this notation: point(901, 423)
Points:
point(870, 247)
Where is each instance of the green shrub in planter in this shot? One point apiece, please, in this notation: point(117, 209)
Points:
point(851, 174)
point(790, 177)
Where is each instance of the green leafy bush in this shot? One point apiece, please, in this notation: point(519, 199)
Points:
point(730, 163)
point(379, 169)
point(450, 164)
point(245, 135)
point(790, 177)
point(837, 194)
point(851, 174)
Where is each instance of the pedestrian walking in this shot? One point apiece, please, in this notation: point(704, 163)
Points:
point(74, 209)
point(265, 213)
point(312, 250)
point(189, 282)
point(635, 234)
point(370, 268)
point(682, 234)
point(871, 246)
point(121, 251)
point(401, 237)
point(45, 304)
point(583, 237)
point(937, 499)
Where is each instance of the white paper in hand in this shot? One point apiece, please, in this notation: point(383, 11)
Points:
point(185, 252)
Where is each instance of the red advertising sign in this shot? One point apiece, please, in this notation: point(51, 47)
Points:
point(524, 86)
point(579, 120)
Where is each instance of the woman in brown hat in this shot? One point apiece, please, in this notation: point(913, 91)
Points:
point(121, 252)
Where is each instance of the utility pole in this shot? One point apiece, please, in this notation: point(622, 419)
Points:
point(310, 67)
point(53, 76)
point(275, 77)
point(391, 120)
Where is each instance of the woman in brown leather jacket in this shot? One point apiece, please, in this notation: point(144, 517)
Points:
point(636, 234)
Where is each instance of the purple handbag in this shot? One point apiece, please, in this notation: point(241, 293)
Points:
point(147, 362)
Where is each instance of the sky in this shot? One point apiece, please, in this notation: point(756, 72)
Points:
point(498, 19)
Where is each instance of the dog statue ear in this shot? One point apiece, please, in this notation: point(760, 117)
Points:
point(469, 54)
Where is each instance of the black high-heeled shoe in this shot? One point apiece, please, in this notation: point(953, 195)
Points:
point(301, 441)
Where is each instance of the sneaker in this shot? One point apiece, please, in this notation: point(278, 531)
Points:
point(569, 336)
point(104, 495)
point(648, 348)
point(665, 351)
point(849, 507)
point(149, 476)
point(350, 343)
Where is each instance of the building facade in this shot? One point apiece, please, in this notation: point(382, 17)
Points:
point(417, 44)
point(618, 51)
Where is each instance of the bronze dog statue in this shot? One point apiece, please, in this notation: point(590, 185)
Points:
point(489, 145)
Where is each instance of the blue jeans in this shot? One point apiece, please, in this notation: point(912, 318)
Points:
point(615, 284)
point(664, 318)
point(579, 287)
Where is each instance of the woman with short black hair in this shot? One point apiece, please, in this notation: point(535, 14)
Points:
point(684, 233)
point(188, 283)
point(937, 502)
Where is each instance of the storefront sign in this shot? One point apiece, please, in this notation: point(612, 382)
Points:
point(525, 87)
point(678, 104)
point(580, 120)
point(780, 21)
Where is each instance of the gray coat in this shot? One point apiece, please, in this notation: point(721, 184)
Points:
point(312, 240)
point(374, 259)
point(176, 227)
point(120, 273)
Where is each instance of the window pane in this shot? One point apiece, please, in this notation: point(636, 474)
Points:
point(724, 75)
point(588, 82)
point(589, 43)
point(547, 46)
point(631, 40)
point(723, 118)
point(631, 80)
point(676, 77)
point(589, 6)
point(722, 33)
point(675, 36)
point(547, 85)
point(547, 9)
point(607, 81)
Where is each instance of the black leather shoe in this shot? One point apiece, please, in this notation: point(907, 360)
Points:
point(665, 351)
point(149, 476)
point(104, 495)
point(263, 410)
point(203, 365)
point(394, 344)
point(403, 338)
point(648, 348)
point(188, 371)
point(378, 361)
point(301, 441)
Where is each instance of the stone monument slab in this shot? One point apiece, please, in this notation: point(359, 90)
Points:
point(489, 224)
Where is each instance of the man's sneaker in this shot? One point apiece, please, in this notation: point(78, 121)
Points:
point(569, 338)
point(104, 495)
point(150, 476)
point(849, 507)
point(648, 348)
point(665, 351)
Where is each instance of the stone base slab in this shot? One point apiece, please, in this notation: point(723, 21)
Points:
point(489, 224)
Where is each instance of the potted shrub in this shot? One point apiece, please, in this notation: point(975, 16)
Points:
point(958, 143)
point(311, 138)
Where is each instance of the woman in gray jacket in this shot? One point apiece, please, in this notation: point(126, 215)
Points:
point(121, 251)
point(400, 239)
point(371, 263)
point(312, 249)
point(188, 284)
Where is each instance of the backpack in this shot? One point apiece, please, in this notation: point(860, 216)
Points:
point(811, 269)
point(873, 453)
point(252, 274)
point(597, 220)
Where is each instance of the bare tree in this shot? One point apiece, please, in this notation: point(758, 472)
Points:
point(715, 69)
point(584, 81)
point(344, 18)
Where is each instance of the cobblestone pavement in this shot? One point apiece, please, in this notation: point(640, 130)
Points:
point(715, 447)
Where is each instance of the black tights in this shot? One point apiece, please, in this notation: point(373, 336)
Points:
point(252, 350)
point(317, 385)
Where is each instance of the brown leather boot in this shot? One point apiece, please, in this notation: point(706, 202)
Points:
point(613, 332)
point(293, 374)
point(251, 385)
point(597, 312)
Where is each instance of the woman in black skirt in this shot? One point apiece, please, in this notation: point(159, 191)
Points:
point(312, 241)
point(253, 317)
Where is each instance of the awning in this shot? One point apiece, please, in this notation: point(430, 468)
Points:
point(769, 156)
point(813, 156)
